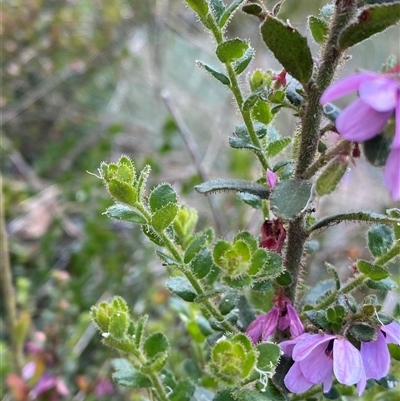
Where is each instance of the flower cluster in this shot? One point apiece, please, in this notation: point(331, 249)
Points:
point(317, 355)
point(281, 316)
point(379, 99)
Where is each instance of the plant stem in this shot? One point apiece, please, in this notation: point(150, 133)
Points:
point(309, 136)
point(8, 289)
point(393, 252)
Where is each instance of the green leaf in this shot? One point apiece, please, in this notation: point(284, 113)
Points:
point(290, 197)
point(126, 375)
point(394, 350)
point(183, 391)
point(261, 112)
point(200, 7)
point(363, 332)
point(318, 317)
point(273, 393)
point(371, 21)
point(194, 247)
point(372, 271)
point(330, 177)
point(123, 212)
point(276, 147)
point(387, 284)
point(241, 143)
point(289, 47)
point(241, 64)
point(141, 182)
point(167, 260)
point(231, 50)
point(252, 200)
point(202, 263)
point(285, 279)
point(251, 100)
point(246, 312)
point(252, 9)
point(161, 196)
point(122, 191)
point(224, 395)
point(318, 28)
point(154, 344)
point(182, 287)
point(380, 240)
point(249, 395)
point(376, 150)
point(229, 12)
point(215, 73)
point(228, 302)
point(163, 217)
point(119, 324)
point(268, 354)
point(233, 185)
point(217, 9)
point(125, 174)
point(149, 232)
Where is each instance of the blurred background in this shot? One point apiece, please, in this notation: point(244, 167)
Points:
point(82, 83)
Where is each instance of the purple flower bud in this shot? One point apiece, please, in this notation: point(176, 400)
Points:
point(271, 178)
point(273, 235)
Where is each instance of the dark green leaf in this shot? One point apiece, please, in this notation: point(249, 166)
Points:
point(194, 247)
point(376, 150)
point(318, 317)
point(228, 302)
point(249, 395)
point(217, 9)
point(290, 197)
point(363, 332)
point(246, 312)
point(241, 64)
point(252, 200)
point(233, 185)
point(330, 177)
point(318, 28)
point(163, 217)
point(202, 263)
point(183, 391)
point(289, 47)
point(284, 279)
point(371, 21)
point(152, 235)
point(241, 143)
point(167, 259)
point(229, 12)
point(160, 196)
point(199, 6)
point(182, 287)
point(215, 73)
point(374, 272)
point(387, 284)
point(268, 354)
point(126, 375)
point(154, 344)
point(394, 350)
point(252, 9)
point(231, 50)
point(123, 212)
point(380, 240)
point(332, 394)
point(224, 395)
point(276, 147)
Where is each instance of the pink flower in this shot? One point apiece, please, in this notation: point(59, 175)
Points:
point(271, 178)
point(280, 317)
point(273, 235)
point(379, 99)
point(375, 354)
point(317, 356)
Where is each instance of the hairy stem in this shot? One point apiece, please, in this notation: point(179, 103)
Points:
point(393, 252)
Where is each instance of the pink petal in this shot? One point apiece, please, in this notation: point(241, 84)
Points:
point(29, 370)
point(271, 178)
point(375, 357)
point(295, 381)
point(345, 86)
point(307, 345)
point(392, 332)
point(296, 327)
point(391, 174)
point(361, 383)
point(270, 323)
point(287, 346)
point(255, 328)
point(380, 93)
point(359, 122)
point(396, 139)
point(347, 362)
point(317, 368)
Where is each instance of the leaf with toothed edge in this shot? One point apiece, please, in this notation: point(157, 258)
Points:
point(241, 64)
point(231, 50)
point(233, 185)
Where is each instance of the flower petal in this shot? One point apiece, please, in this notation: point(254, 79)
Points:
point(396, 139)
point(361, 383)
point(359, 122)
point(380, 93)
point(345, 86)
point(287, 346)
point(375, 357)
point(392, 332)
point(255, 328)
point(296, 327)
point(307, 345)
point(347, 362)
point(295, 381)
point(270, 323)
point(317, 368)
point(391, 175)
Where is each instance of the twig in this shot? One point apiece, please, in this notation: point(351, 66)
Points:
point(194, 153)
point(8, 289)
